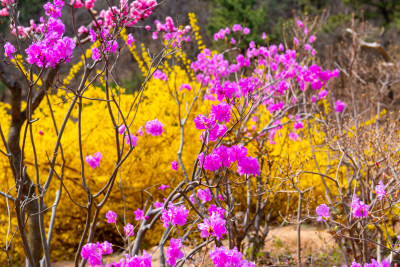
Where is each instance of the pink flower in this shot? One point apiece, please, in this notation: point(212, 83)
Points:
point(139, 215)
point(137, 261)
point(359, 208)
point(221, 197)
point(174, 252)
point(299, 23)
point(237, 152)
point(128, 229)
point(312, 39)
point(236, 27)
point(174, 165)
point(380, 190)
point(185, 86)
point(121, 129)
point(223, 154)
point(248, 165)
point(111, 217)
point(176, 215)
point(94, 161)
point(154, 127)
point(339, 106)
point(163, 187)
point(322, 212)
point(53, 10)
point(322, 94)
point(93, 35)
point(147, 27)
point(217, 132)
point(140, 131)
point(246, 30)
point(212, 162)
point(264, 36)
point(221, 112)
point(89, 4)
point(41, 132)
point(223, 257)
point(217, 210)
point(159, 75)
point(94, 252)
point(294, 136)
point(204, 195)
point(202, 122)
point(295, 40)
point(131, 140)
point(298, 125)
point(9, 49)
point(82, 29)
point(130, 39)
point(95, 53)
point(76, 3)
point(214, 226)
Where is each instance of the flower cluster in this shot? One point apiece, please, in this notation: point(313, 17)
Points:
point(94, 161)
point(224, 156)
point(222, 257)
point(94, 252)
point(322, 212)
point(111, 217)
point(359, 208)
point(176, 215)
point(214, 226)
point(174, 252)
point(204, 195)
point(374, 263)
point(154, 127)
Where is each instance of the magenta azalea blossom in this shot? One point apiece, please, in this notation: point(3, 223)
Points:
point(128, 229)
point(323, 212)
point(299, 23)
point(359, 208)
point(95, 53)
point(221, 112)
point(216, 210)
point(121, 129)
point(163, 187)
point(204, 195)
point(154, 127)
point(130, 39)
point(94, 161)
point(173, 251)
point(111, 217)
point(339, 106)
point(94, 252)
point(9, 49)
point(223, 257)
point(248, 165)
point(380, 190)
point(176, 215)
point(131, 140)
point(203, 123)
point(174, 165)
point(139, 215)
point(214, 226)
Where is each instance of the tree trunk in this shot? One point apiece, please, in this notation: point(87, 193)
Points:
point(28, 192)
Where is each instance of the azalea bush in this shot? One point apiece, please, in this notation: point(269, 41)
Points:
point(198, 162)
